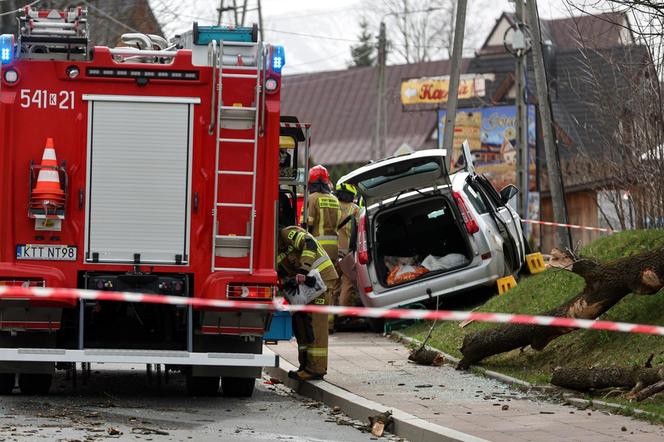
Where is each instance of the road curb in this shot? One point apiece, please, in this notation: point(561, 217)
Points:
point(568, 395)
point(357, 407)
point(603, 405)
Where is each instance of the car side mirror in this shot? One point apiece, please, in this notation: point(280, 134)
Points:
point(508, 192)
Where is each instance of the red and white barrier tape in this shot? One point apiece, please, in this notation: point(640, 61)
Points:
point(11, 292)
point(571, 226)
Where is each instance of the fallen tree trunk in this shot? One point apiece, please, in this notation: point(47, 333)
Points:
point(649, 391)
point(606, 285)
point(604, 377)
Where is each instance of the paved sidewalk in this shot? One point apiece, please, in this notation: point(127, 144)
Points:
point(377, 368)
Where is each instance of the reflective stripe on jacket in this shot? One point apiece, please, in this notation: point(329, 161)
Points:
point(324, 217)
point(300, 252)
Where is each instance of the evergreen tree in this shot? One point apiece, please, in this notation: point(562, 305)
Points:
point(364, 52)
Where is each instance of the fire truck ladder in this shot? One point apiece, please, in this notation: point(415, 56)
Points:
point(239, 61)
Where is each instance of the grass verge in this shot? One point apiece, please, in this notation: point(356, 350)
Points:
point(583, 348)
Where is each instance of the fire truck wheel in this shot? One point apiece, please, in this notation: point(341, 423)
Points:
point(7, 382)
point(202, 385)
point(238, 387)
point(33, 383)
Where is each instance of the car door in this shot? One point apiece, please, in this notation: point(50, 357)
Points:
point(507, 220)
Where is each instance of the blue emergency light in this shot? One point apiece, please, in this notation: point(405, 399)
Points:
point(6, 48)
point(278, 59)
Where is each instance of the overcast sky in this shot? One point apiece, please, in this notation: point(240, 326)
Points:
point(317, 35)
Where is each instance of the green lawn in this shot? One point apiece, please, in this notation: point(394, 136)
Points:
point(538, 293)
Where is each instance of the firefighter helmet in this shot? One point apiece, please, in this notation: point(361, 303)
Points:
point(345, 187)
point(319, 173)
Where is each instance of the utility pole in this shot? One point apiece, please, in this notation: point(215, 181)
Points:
point(220, 10)
point(381, 59)
point(550, 148)
point(235, 12)
point(457, 56)
point(244, 12)
point(451, 33)
point(523, 162)
point(260, 21)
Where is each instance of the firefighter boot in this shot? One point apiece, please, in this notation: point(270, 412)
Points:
point(304, 375)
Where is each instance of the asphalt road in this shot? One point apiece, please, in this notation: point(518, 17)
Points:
point(125, 405)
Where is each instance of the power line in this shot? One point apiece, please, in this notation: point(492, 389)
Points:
point(309, 35)
point(319, 59)
point(20, 9)
point(327, 37)
point(316, 14)
point(361, 54)
point(110, 17)
point(322, 37)
point(177, 15)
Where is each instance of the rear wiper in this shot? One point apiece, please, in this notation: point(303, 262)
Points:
point(397, 197)
point(402, 192)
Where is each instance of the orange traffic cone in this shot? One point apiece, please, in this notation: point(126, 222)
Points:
point(47, 191)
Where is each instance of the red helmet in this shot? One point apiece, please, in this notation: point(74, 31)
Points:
point(319, 173)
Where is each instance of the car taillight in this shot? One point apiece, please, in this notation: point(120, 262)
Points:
point(471, 224)
point(242, 291)
point(362, 250)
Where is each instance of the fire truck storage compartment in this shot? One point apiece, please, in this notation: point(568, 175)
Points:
point(417, 232)
point(139, 176)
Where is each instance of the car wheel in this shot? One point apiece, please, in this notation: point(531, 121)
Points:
point(7, 383)
point(34, 383)
point(238, 387)
point(202, 385)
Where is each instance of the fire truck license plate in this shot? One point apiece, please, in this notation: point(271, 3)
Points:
point(45, 252)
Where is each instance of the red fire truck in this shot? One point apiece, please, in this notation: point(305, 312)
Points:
point(152, 167)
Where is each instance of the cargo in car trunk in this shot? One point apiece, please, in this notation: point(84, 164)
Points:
point(419, 239)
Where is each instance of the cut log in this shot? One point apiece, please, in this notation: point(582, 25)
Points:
point(425, 356)
point(649, 391)
point(604, 377)
point(606, 285)
point(380, 423)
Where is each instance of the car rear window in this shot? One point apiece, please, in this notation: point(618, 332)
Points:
point(400, 172)
point(475, 199)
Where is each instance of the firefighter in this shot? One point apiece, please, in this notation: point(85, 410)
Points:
point(324, 215)
point(299, 253)
point(346, 293)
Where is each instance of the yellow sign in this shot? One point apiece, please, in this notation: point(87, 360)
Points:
point(436, 90)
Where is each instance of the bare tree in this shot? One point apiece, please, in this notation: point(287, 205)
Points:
point(418, 30)
point(622, 89)
point(423, 30)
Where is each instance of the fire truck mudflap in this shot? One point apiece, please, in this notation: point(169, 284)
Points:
point(143, 169)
